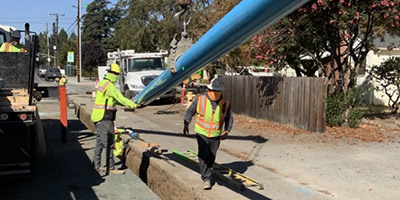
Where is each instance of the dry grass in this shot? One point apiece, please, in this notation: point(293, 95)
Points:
point(366, 132)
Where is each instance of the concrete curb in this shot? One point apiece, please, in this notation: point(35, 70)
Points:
point(147, 166)
point(150, 169)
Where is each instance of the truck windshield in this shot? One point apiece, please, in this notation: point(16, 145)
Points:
point(145, 64)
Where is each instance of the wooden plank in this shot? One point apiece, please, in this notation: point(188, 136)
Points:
point(255, 96)
point(302, 109)
point(259, 95)
point(306, 104)
point(313, 116)
point(246, 95)
point(293, 101)
point(18, 108)
point(14, 99)
point(323, 105)
point(281, 100)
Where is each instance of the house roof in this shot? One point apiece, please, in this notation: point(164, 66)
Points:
point(386, 40)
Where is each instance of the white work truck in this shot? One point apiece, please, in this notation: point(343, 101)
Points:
point(137, 71)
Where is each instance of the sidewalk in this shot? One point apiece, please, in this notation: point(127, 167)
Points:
point(67, 171)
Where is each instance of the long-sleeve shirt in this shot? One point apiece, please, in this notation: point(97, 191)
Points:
point(191, 111)
point(113, 92)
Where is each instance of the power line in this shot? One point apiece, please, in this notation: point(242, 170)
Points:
point(56, 39)
point(73, 23)
point(72, 30)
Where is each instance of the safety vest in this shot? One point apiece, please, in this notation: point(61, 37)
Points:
point(118, 142)
point(102, 102)
point(210, 123)
point(8, 47)
point(62, 81)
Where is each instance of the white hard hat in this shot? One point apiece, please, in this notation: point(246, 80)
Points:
point(216, 84)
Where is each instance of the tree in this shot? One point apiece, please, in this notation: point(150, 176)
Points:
point(92, 56)
point(342, 29)
point(146, 25)
point(98, 24)
point(206, 15)
point(388, 75)
point(42, 49)
point(63, 47)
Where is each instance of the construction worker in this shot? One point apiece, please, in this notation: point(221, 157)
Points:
point(62, 81)
point(213, 123)
point(103, 116)
point(14, 45)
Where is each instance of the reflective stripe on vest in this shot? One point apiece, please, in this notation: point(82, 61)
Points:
point(7, 47)
point(102, 106)
point(103, 88)
point(210, 123)
point(101, 100)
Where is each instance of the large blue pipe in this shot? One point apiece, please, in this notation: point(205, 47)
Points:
point(242, 22)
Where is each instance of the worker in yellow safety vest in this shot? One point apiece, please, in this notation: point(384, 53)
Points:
point(14, 45)
point(62, 81)
point(103, 115)
point(213, 123)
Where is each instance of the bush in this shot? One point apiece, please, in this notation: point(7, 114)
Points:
point(86, 73)
point(355, 116)
point(343, 108)
point(335, 108)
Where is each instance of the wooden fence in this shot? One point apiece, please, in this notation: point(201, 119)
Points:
point(297, 101)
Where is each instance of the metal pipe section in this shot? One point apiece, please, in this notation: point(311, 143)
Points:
point(240, 24)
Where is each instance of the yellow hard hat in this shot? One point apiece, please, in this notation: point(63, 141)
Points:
point(115, 68)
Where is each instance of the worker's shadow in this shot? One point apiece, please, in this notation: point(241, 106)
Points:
point(238, 166)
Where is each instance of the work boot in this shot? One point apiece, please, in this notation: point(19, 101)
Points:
point(207, 184)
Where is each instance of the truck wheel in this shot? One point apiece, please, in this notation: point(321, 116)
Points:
point(127, 94)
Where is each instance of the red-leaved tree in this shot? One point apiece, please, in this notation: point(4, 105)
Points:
point(329, 36)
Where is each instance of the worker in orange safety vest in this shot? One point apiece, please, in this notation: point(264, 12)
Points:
point(213, 123)
point(14, 45)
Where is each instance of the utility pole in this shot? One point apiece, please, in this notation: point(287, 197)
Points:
point(48, 44)
point(56, 39)
point(79, 60)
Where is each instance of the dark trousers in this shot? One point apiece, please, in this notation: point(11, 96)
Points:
point(104, 140)
point(208, 148)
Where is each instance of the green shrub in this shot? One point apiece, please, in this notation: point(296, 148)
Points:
point(86, 73)
point(355, 116)
point(343, 108)
point(335, 108)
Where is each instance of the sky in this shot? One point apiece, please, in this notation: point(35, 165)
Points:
point(37, 12)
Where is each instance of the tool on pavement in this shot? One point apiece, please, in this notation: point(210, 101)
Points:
point(229, 176)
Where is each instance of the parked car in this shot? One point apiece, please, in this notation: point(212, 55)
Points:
point(52, 73)
point(42, 71)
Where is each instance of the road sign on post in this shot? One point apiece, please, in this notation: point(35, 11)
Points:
point(70, 57)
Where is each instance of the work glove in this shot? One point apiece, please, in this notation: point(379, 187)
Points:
point(132, 105)
point(186, 128)
point(224, 135)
